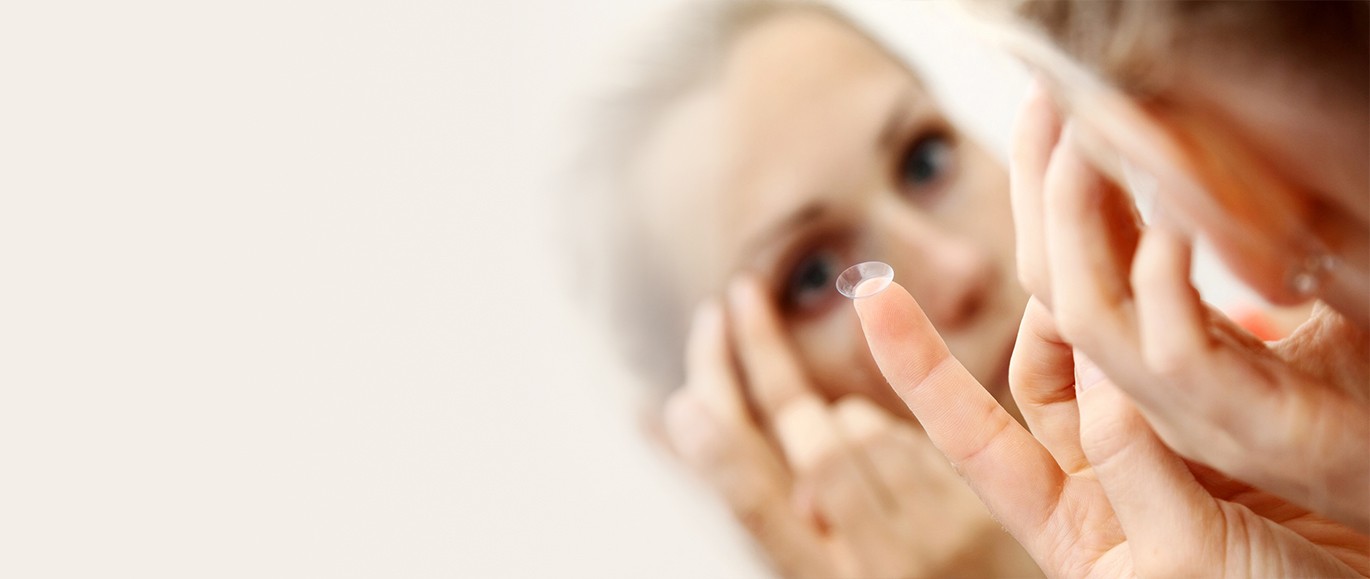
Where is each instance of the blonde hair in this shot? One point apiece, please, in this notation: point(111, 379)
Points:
point(1133, 45)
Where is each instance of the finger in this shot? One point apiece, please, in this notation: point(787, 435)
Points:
point(1042, 378)
point(773, 372)
point(891, 447)
point(708, 364)
point(709, 428)
point(1172, 525)
point(1174, 336)
point(918, 481)
point(1170, 317)
point(1016, 478)
point(844, 489)
point(1035, 133)
point(734, 460)
point(1286, 426)
point(1092, 238)
point(842, 486)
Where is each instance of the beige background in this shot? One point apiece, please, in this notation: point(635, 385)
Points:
point(279, 294)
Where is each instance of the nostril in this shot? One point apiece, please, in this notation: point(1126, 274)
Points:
point(967, 308)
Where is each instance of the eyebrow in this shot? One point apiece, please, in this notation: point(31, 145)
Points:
point(804, 215)
point(894, 125)
point(888, 138)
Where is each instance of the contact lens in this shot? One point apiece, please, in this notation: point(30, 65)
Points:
point(865, 279)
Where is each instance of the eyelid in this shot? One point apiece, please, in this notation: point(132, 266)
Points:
point(939, 129)
point(832, 237)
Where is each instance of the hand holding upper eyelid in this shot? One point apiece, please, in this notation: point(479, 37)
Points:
point(855, 466)
point(774, 375)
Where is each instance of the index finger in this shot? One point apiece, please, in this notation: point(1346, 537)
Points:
point(1035, 133)
point(772, 370)
point(1011, 472)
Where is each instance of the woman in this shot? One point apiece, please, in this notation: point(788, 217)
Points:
point(1257, 142)
point(773, 146)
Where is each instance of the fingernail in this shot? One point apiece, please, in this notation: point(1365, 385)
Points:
point(1087, 374)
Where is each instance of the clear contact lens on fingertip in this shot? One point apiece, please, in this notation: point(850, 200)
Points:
point(865, 279)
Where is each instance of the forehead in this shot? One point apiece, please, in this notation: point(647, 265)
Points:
point(797, 107)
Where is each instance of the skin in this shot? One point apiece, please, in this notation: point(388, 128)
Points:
point(1291, 416)
point(1092, 491)
point(794, 151)
point(759, 187)
point(1123, 374)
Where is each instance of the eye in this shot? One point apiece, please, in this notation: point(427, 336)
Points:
point(810, 282)
point(927, 163)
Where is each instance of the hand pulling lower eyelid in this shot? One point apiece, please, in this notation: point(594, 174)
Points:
point(865, 279)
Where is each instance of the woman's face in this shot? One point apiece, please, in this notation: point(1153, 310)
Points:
point(814, 150)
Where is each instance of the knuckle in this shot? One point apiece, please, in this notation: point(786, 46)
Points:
point(842, 495)
point(849, 404)
point(839, 490)
point(862, 422)
point(1168, 362)
point(1105, 437)
point(701, 441)
point(1075, 325)
point(750, 513)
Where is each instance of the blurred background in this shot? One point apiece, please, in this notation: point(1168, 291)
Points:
point(282, 293)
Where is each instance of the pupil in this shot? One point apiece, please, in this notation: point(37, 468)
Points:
point(923, 163)
point(815, 275)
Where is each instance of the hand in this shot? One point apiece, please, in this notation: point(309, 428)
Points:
point(851, 491)
point(1095, 493)
point(1292, 418)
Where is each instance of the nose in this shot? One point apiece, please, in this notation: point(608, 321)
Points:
point(950, 275)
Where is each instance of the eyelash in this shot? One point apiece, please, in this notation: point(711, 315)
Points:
point(927, 193)
point(831, 243)
point(834, 245)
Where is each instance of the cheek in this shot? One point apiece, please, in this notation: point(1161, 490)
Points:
point(989, 214)
point(834, 353)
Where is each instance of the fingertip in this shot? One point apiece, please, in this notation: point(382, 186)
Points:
point(687, 424)
point(1038, 124)
point(754, 324)
point(745, 296)
point(864, 279)
point(866, 306)
point(879, 312)
point(708, 316)
point(705, 326)
point(1087, 373)
point(806, 433)
point(902, 340)
point(860, 418)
